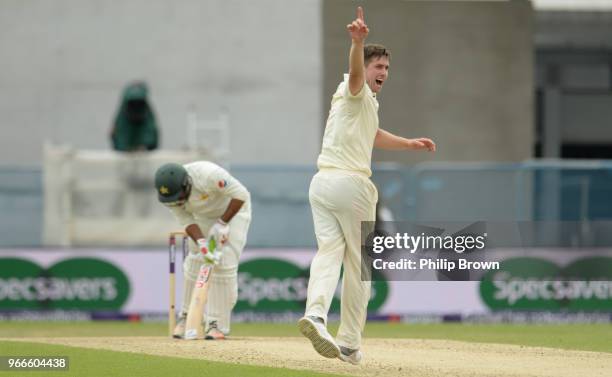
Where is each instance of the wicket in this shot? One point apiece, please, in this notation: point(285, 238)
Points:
point(172, 283)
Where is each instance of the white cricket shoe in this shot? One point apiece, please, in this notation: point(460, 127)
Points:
point(179, 329)
point(213, 332)
point(350, 356)
point(320, 338)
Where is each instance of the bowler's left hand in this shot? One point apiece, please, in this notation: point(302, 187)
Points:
point(423, 143)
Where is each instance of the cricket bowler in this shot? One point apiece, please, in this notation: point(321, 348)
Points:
point(208, 201)
point(342, 196)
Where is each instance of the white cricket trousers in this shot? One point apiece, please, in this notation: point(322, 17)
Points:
point(340, 201)
point(223, 291)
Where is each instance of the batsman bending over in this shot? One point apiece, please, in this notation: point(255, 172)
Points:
point(342, 196)
point(208, 202)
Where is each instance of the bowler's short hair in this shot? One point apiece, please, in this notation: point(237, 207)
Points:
point(373, 51)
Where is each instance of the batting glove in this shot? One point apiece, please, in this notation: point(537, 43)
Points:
point(220, 231)
point(211, 256)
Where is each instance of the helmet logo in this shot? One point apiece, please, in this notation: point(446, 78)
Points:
point(164, 190)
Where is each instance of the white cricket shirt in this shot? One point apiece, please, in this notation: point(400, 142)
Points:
point(350, 130)
point(212, 190)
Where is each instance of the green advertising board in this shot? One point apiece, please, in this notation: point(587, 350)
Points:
point(535, 284)
point(277, 285)
point(69, 284)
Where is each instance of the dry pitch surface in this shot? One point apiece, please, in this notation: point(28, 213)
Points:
point(382, 357)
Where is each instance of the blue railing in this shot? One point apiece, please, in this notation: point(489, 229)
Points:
point(21, 206)
point(533, 190)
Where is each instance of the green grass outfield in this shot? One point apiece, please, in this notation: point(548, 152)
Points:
point(101, 363)
point(587, 337)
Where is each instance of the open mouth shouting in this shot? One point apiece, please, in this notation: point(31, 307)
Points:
point(378, 84)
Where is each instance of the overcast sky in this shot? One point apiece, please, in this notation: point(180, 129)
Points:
point(573, 4)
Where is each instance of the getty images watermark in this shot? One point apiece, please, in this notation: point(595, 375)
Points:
point(424, 243)
point(523, 254)
point(409, 251)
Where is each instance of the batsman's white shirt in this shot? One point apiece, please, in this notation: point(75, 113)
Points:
point(212, 190)
point(342, 196)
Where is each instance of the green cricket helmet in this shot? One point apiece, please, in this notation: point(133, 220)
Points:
point(173, 184)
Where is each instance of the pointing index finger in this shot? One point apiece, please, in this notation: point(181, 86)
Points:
point(360, 13)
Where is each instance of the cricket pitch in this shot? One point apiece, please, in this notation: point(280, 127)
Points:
point(382, 357)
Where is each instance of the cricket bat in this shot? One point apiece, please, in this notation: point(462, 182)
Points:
point(193, 322)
